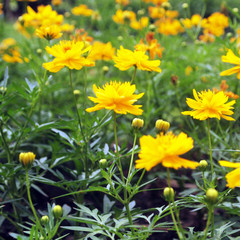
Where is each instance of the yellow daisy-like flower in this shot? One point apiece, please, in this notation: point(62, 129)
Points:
point(233, 59)
point(69, 54)
point(49, 32)
point(233, 177)
point(126, 58)
point(116, 96)
point(165, 149)
point(208, 104)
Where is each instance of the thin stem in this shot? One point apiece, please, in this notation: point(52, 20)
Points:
point(75, 102)
point(140, 179)
point(171, 211)
point(210, 150)
point(204, 180)
point(5, 142)
point(116, 144)
point(131, 162)
point(134, 74)
point(31, 204)
point(129, 214)
point(210, 211)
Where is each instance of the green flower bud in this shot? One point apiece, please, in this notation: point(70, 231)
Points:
point(57, 211)
point(168, 194)
point(44, 220)
point(105, 69)
point(103, 163)
point(185, 5)
point(212, 195)
point(203, 165)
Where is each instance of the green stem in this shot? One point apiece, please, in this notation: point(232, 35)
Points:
point(5, 142)
point(75, 102)
point(140, 179)
point(210, 211)
point(134, 74)
point(180, 235)
point(210, 150)
point(116, 144)
point(31, 204)
point(131, 162)
point(204, 180)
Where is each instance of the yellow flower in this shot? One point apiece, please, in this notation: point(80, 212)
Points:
point(208, 104)
point(233, 59)
point(165, 149)
point(138, 25)
point(56, 2)
point(122, 17)
point(118, 97)
point(83, 10)
point(101, 51)
point(49, 32)
point(125, 59)
point(233, 177)
point(44, 16)
point(69, 54)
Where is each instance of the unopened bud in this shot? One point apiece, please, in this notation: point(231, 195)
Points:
point(44, 220)
point(57, 211)
point(203, 165)
point(120, 38)
point(235, 10)
point(105, 69)
point(39, 51)
point(141, 12)
point(26, 159)
point(162, 125)
point(137, 123)
point(103, 163)
point(152, 27)
point(212, 195)
point(185, 5)
point(168, 194)
point(76, 92)
point(229, 34)
point(166, 5)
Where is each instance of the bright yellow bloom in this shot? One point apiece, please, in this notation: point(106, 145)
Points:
point(49, 32)
point(233, 59)
point(122, 17)
point(101, 51)
point(125, 59)
point(44, 16)
point(208, 104)
point(69, 54)
point(169, 26)
point(118, 97)
point(83, 10)
point(165, 149)
point(139, 25)
point(68, 28)
point(233, 177)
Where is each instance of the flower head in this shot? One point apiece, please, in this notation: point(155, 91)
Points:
point(49, 32)
point(69, 54)
point(83, 10)
point(26, 158)
point(233, 177)
point(208, 104)
point(165, 149)
point(233, 59)
point(118, 97)
point(126, 58)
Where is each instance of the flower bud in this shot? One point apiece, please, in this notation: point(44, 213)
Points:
point(152, 27)
point(103, 163)
point(76, 92)
point(137, 123)
point(203, 165)
point(185, 5)
point(166, 5)
point(105, 69)
point(57, 211)
point(120, 38)
point(235, 10)
point(229, 34)
point(162, 125)
point(168, 194)
point(44, 219)
point(141, 12)
point(212, 195)
point(26, 159)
